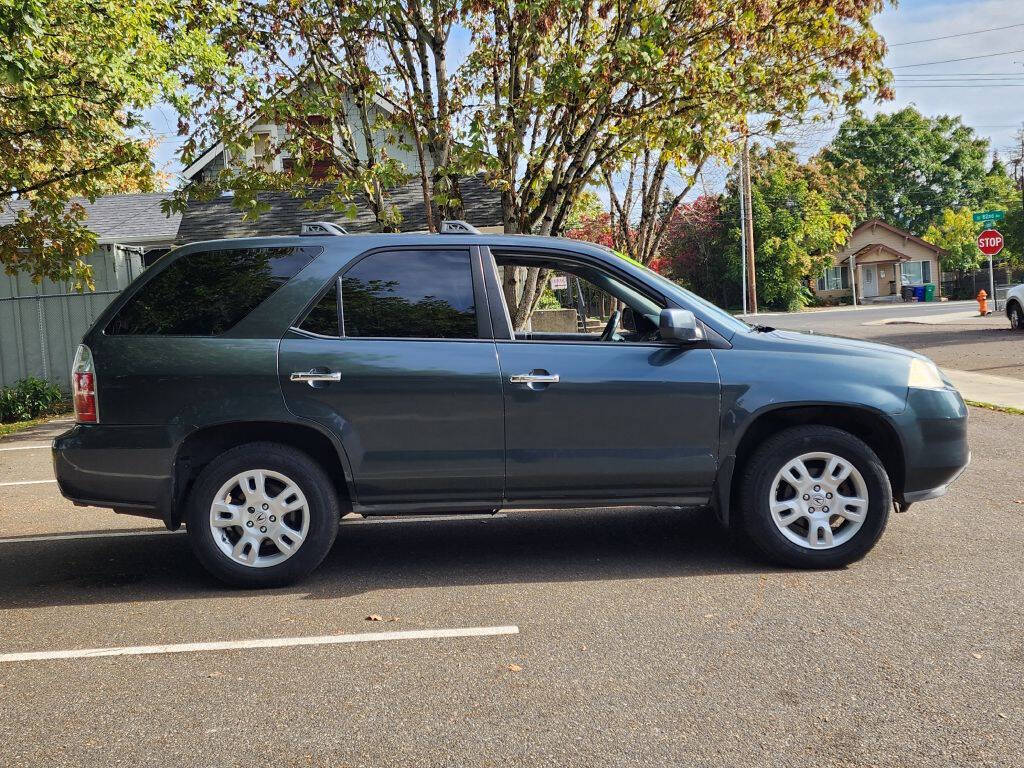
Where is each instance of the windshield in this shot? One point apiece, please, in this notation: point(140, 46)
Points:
point(679, 293)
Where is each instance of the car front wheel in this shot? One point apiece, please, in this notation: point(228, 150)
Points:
point(814, 497)
point(262, 515)
point(1016, 315)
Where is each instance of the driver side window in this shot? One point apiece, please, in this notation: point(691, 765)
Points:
point(574, 302)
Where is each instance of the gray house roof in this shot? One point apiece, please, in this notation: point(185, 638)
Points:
point(217, 218)
point(138, 219)
point(125, 219)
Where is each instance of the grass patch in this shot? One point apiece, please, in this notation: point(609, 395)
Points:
point(992, 407)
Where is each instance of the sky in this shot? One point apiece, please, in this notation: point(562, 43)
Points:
point(988, 92)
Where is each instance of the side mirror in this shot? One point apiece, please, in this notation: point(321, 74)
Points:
point(679, 325)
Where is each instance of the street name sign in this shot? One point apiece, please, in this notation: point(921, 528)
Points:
point(984, 216)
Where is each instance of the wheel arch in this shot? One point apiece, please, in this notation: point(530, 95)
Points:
point(868, 424)
point(202, 445)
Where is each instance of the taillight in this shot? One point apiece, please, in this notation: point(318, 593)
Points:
point(83, 386)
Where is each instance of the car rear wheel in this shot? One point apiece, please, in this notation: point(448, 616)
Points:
point(814, 497)
point(262, 515)
point(1016, 315)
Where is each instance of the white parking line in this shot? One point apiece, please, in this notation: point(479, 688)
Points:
point(271, 642)
point(96, 535)
point(26, 448)
point(28, 482)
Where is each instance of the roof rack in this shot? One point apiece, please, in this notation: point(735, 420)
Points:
point(457, 227)
point(310, 228)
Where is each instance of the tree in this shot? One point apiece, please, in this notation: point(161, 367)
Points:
point(74, 77)
point(795, 228)
point(955, 232)
point(548, 96)
point(695, 252)
point(912, 166)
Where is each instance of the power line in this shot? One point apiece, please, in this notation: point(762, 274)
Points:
point(964, 58)
point(961, 34)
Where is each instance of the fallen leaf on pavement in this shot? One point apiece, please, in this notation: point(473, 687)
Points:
point(375, 617)
point(976, 655)
point(514, 668)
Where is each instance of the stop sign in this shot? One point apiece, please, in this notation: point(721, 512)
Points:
point(990, 242)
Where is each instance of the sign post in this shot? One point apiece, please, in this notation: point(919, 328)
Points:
point(990, 242)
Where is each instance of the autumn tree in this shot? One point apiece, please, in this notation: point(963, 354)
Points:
point(75, 76)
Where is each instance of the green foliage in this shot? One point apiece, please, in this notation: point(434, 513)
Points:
point(75, 76)
point(28, 399)
point(795, 228)
point(956, 233)
point(911, 166)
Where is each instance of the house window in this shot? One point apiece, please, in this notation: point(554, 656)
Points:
point(834, 279)
point(917, 272)
point(261, 153)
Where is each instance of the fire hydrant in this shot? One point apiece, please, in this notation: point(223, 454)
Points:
point(982, 302)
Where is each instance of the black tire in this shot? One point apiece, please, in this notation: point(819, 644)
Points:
point(755, 519)
point(1016, 316)
point(322, 507)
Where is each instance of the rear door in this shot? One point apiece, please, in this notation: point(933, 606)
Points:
point(403, 369)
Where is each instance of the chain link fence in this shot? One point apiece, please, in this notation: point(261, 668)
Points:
point(42, 325)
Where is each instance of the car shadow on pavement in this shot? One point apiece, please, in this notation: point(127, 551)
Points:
point(524, 547)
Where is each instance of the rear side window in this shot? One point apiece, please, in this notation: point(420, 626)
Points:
point(410, 294)
point(208, 292)
point(323, 317)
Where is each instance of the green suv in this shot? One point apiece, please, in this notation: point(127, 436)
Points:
point(258, 390)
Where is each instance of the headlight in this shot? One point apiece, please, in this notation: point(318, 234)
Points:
point(924, 374)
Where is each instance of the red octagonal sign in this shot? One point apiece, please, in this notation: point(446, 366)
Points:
point(990, 242)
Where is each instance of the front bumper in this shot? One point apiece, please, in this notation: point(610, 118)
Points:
point(934, 432)
point(126, 468)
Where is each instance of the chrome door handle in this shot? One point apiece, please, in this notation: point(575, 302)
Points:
point(314, 376)
point(534, 378)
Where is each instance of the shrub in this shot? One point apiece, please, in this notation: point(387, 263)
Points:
point(28, 399)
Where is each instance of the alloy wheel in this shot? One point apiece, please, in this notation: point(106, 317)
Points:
point(259, 518)
point(818, 500)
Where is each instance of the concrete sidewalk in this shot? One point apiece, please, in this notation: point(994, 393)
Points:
point(984, 388)
point(933, 319)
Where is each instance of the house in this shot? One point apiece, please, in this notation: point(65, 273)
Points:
point(883, 258)
point(135, 220)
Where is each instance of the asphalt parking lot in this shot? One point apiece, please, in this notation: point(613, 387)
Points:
point(642, 637)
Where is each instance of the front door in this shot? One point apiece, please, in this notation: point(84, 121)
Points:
point(407, 377)
point(607, 412)
point(870, 281)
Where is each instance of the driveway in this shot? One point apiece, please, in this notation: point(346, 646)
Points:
point(643, 638)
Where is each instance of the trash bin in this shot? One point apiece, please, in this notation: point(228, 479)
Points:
point(907, 292)
point(919, 292)
point(929, 292)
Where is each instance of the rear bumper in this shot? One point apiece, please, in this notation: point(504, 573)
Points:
point(126, 468)
point(934, 432)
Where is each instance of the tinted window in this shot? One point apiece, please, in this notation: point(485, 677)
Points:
point(323, 317)
point(410, 294)
point(208, 292)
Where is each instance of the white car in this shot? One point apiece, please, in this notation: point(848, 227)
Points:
point(1015, 307)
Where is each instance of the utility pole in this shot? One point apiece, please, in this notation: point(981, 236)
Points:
point(743, 238)
point(748, 234)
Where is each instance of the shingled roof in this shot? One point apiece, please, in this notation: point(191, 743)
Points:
point(138, 219)
point(125, 219)
point(219, 218)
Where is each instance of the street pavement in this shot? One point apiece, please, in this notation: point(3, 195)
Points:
point(645, 638)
